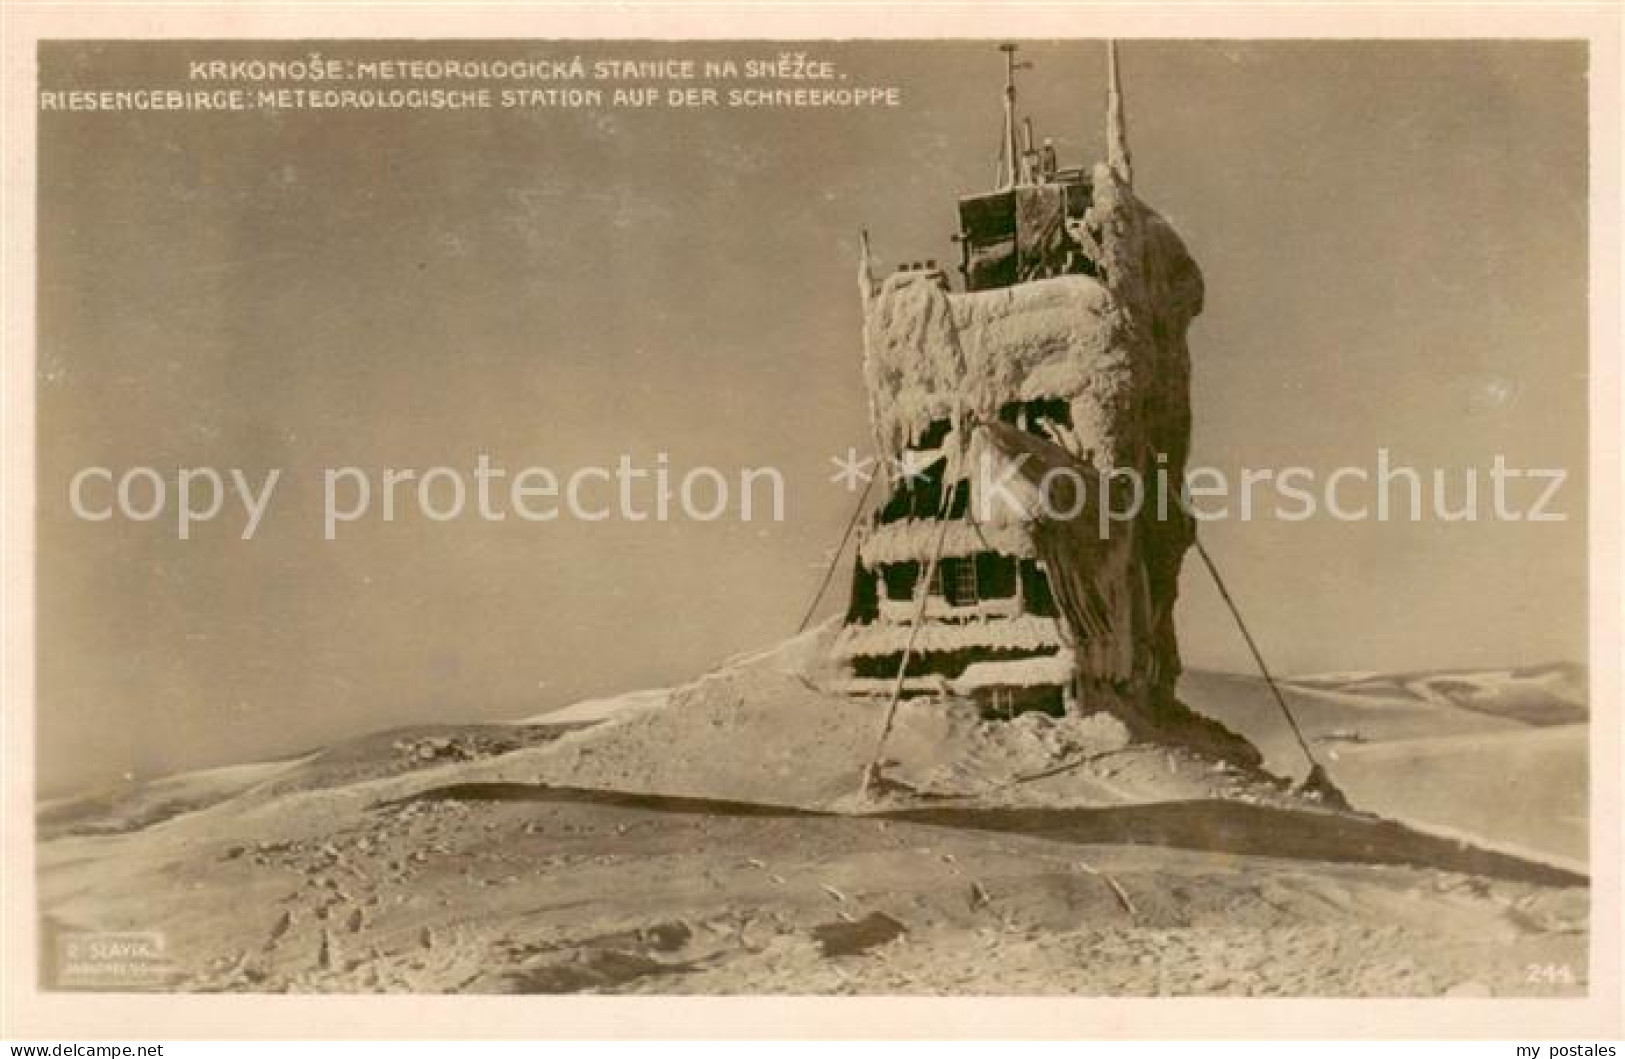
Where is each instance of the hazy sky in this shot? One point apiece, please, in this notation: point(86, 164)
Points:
point(1393, 235)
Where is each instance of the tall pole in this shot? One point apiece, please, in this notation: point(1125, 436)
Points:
point(1117, 156)
point(1010, 147)
point(866, 273)
point(1027, 175)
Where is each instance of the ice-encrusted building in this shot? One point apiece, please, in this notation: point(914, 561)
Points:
point(1063, 350)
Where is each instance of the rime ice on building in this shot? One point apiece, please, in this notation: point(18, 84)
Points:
point(1064, 348)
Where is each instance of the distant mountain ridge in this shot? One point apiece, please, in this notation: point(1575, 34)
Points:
point(1551, 694)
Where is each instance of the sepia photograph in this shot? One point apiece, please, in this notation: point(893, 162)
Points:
point(1020, 513)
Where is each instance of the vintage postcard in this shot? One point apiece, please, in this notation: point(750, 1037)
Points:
point(1092, 517)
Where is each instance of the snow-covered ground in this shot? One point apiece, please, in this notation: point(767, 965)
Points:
point(710, 839)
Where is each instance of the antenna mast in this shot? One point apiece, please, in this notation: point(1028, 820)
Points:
point(1117, 156)
point(1011, 149)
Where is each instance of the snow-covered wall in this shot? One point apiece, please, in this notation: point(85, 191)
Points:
point(1114, 348)
point(931, 354)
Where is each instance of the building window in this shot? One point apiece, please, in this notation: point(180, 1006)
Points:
point(934, 435)
point(1044, 412)
point(1035, 589)
point(959, 578)
point(999, 703)
point(900, 578)
point(995, 576)
point(925, 487)
point(865, 604)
